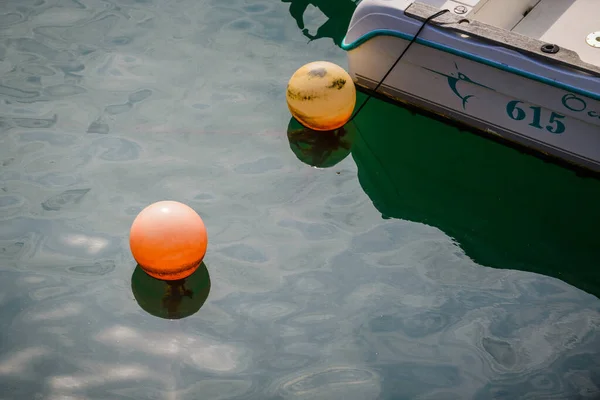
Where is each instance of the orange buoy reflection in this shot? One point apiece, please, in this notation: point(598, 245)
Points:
point(174, 299)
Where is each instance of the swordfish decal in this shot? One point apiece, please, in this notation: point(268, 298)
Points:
point(453, 82)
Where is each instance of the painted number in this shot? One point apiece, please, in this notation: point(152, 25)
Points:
point(518, 114)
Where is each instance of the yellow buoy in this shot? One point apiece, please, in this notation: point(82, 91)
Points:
point(321, 96)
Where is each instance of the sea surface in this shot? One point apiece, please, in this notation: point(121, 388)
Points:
point(398, 258)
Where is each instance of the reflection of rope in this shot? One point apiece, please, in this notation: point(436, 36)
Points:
point(437, 14)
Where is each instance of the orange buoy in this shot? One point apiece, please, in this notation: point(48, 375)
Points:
point(168, 240)
point(321, 96)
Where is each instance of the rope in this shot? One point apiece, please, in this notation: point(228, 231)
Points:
point(413, 40)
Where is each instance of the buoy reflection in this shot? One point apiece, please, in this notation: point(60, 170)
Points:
point(171, 299)
point(321, 149)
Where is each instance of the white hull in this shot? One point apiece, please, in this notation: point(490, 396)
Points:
point(544, 106)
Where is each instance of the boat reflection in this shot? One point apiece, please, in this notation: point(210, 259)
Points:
point(171, 299)
point(338, 13)
point(505, 209)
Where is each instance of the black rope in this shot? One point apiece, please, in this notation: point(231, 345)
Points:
point(437, 14)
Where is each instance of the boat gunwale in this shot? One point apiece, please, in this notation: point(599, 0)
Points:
point(470, 56)
point(521, 43)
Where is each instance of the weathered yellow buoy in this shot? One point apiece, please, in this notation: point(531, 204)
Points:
point(321, 96)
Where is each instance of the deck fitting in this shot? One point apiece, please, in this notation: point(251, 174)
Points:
point(593, 39)
point(550, 48)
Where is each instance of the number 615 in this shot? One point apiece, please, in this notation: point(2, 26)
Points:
point(554, 125)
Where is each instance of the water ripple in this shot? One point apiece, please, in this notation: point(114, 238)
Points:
point(332, 382)
point(66, 198)
point(111, 105)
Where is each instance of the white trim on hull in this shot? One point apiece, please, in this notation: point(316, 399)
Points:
point(545, 117)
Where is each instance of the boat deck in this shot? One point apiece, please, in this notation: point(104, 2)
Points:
point(567, 23)
point(571, 24)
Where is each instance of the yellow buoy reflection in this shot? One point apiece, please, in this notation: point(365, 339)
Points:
point(172, 299)
point(321, 96)
point(320, 149)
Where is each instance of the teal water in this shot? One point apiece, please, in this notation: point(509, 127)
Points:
point(421, 262)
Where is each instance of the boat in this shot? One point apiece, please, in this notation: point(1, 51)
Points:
point(522, 71)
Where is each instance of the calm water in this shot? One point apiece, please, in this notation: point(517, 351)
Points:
point(420, 263)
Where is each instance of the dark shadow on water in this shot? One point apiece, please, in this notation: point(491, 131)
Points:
point(504, 208)
point(338, 13)
point(171, 299)
point(321, 149)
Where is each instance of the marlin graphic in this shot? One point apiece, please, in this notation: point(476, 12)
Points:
point(453, 81)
